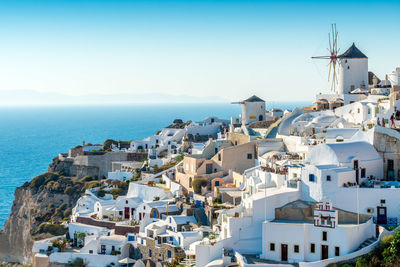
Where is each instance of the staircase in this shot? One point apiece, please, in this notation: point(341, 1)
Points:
point(367, 242)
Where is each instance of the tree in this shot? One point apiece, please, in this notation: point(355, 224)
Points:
point(198, 183)
point(78, 262)
point(81, 238)
point(60, 244)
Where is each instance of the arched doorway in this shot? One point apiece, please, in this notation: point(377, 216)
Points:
point(260, 118)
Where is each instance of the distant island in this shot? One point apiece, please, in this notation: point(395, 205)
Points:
point(30, 97)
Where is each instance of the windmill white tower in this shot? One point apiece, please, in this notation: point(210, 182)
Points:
point(352, 71)
point(352, 66)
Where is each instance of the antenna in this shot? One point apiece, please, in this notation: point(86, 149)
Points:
point(333, 56)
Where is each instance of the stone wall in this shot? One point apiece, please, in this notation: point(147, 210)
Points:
point(91, 221)
point(96, 164)
point(387, 143)
point(159, 253)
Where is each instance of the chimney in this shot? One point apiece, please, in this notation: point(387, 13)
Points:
point(84, 143)
point(386, 80)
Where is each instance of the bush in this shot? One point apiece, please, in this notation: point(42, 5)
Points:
point(60, 244)
point(43, 179)
point(69, 190)
point(78, 262)
point(116, 192)
point(88, 179)
point(92, 184)
point(53, 229)
point(101, 193)
point(198, 183)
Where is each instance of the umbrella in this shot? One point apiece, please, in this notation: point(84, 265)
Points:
point(127, 260)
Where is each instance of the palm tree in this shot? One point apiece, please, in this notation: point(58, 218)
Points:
point(59, 243)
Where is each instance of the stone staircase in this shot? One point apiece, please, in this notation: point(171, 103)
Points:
point(367, 242)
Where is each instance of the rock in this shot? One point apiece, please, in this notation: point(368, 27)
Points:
point(37, 202)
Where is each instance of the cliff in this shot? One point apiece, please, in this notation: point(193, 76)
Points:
point(37, 212)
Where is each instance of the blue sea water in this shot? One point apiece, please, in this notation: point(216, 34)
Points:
point(30, 137)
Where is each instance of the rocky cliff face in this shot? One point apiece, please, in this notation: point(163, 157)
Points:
point(37, 212)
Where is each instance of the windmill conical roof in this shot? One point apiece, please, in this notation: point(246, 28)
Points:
point(254, 98)
point(353, 52)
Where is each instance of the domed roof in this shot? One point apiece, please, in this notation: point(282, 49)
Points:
point(353, 52)
point(254, 98)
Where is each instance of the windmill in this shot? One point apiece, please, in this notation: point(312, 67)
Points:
point(333, 57)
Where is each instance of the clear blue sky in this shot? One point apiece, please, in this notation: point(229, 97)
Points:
point(230, 48)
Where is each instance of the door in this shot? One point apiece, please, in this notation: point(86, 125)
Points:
point(284, 252)
point(381, 215)
point(126, 212)
point(324, 252)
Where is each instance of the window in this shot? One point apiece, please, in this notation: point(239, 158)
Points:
point(90, 251)
point(235, 143)
point(369, 111)
point(363, 173)
point(272, 246)
point(312, 248)
point(169, 254)
point(131, 238)
point(144, 207)
point(337, 251)
point(249, 156)
point(296, 248)
point(358, 110)
point(294, 175)
point(383, 201)
point(311, 178)
point(150, 253)
point(126, 201)
point(216, 183)
point(190, 182)
point(328, 178)
point(112, 248)
point(219, 157)
point(324, 236)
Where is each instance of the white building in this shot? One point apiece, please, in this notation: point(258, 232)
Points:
point(296, 238)
point(353, 71)
point(253, 109)
point(394, 77)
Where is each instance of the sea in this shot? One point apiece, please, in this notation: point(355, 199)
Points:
point(30, 137)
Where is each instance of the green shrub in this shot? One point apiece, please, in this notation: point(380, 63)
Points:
point(92, 184)
point(43, 179)
point(78, 262)
point(53, 229)
point(88, 179)
point(101, 193)
point(60, 244)
point(116, 192)
point(198, 183)
point(69, 190)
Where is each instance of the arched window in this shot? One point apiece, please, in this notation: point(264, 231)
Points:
point(260, 118)
point(190, 182)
